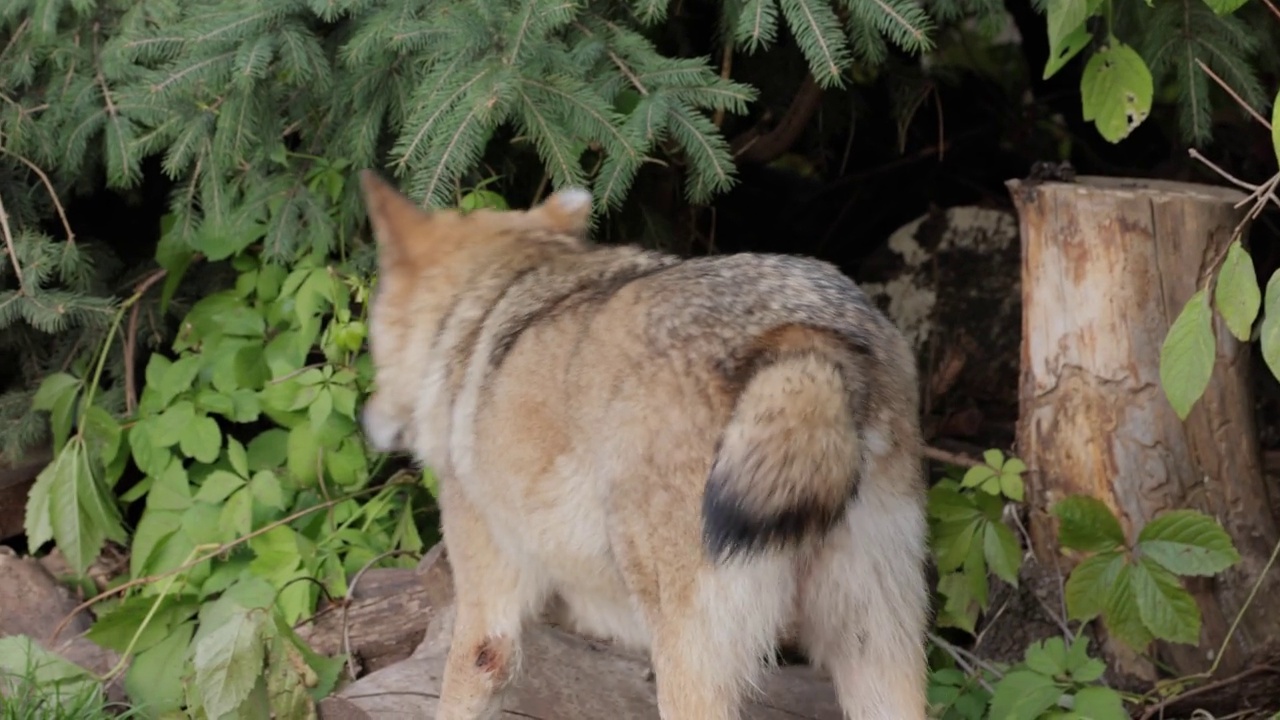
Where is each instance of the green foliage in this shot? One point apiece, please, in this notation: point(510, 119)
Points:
point(1163, 45)
point(1056, 682)
point(36, 683)
point(255, 492)
point(1136, 589)
point(970, 538)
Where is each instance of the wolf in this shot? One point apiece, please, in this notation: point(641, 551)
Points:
point(697, 457)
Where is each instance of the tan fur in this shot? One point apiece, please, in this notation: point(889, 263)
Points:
point(694, 456)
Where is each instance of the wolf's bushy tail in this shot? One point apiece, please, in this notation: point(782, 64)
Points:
point(790, 456)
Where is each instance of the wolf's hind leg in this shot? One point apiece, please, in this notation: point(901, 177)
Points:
point(715, 636)
point(865, 608)
point(492, 598)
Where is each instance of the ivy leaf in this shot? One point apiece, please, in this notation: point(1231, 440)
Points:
point(228, 662)
point(1090, 584)
point(1275, 117)
point(1236, 294)
point(1087, 524)
point(1068, 31)
point(1270, 330)
point(1099, 703)
point(1023, 695)
point(1116, 89)
point(1166, 608)
point(1122, 616)
point(1048, 657)
point(201, 439)
point(154, 678)
point(960, 609)
point(1003, 552)
point(1188, 542)
point(1187, 355)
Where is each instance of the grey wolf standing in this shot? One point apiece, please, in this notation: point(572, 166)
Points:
point(697, 456)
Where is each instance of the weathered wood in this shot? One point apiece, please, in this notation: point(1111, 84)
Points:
point(564, 677)
point(385, 619)
point(1107, 266)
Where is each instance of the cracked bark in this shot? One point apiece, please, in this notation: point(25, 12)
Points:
point(1107, 265)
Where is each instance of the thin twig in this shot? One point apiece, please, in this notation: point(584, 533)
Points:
point(48, 186)
point(351, 592)
point(726, 68)
point(1234, 95)
point(968, 661)
point(8, 243)
point(1156, 709)
point(1225, 175)
point(221, 550)
point(131, 340)
point(951, 458)
point(1272, 8)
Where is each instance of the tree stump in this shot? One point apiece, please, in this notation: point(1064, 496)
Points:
point(1107, 265)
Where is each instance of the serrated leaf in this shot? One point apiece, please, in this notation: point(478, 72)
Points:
point(1122, 617)
point(1116, 91)
point(1003, 552)
point(1086, 523)
point(1047, 657)
point(201, 440)
point(1269, 335)
point(228, 662)
point(154, 678)
point(1275, 122)
point(1090, 583)
point(1236, 294)
point(1068, 33)
point(1187, 355)
point(1166, 608)
point(1188, 542)
point(218, 486)
point(977, 475)
point(1099, 703)
point(1023, 695)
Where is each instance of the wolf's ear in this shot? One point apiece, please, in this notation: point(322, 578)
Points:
point(567, 211)
point(393, 217)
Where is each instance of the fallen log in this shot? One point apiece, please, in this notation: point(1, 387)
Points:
point(565, 677)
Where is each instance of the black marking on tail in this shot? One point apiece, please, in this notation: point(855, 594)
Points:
point(730, 529)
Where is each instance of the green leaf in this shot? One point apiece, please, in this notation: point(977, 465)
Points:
point(53, 679)
point(1099, 703)
point(1068, 33)
point(1269, 335)
point(1116, 89)
point(1188, 354)
point(82, 513)
point(977, 475)
point(154, 678)
point(237, 456)
point(1086, 523)
point(1275, 118)
point(177, 378)
point(1023, 695)
point(218, 486)
point(303, 455)
point(1166, 608)
point(201, 439)
point(1047, 657)
point(1122, 616)
point(1003, 552)
point(1236, 294)
point(229, 661)
point(1225, 7)
point(1090, 583)
point(1188, 542)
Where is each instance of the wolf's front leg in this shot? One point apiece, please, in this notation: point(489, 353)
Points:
point(492, 595)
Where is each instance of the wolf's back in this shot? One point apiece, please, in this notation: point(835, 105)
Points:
point(818, 376)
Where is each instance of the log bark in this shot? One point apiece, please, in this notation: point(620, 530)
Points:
point(564, 677)
point(1107, 265)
